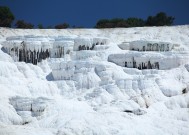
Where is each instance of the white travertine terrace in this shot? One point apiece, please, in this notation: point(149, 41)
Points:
point(142, 60)
point(141, 45)
point(87, 43)
point(150, 55)
point(99, 91)
point(32, 49)
point(61, 48)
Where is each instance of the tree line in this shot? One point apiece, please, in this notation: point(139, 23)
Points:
point(160, 19)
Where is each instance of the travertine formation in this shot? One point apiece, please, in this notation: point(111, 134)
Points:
point(104, 89)
point(149, 55)
point(141, 45)
point(142, 55)
point(33, 49)
point(150, 60)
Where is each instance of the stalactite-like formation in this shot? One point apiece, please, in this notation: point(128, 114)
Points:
point(152, 47)
point(36, 50)
point(33, 57)
point(141, 45)
point(83, 47)
point(23, 53)
point(61, 48)
point(88, 43)
point(86, 47)
point(142, 65)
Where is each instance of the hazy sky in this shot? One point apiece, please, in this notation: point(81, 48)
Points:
point(87, 12)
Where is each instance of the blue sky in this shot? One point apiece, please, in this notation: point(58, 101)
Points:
point(87, 12)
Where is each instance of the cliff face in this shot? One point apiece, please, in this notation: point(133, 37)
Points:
point(89, 81)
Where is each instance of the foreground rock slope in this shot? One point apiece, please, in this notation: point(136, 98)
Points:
point(94, 82)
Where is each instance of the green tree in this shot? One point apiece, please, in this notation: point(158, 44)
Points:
point(135, 22)
point(120, 22)
point(160, 19)
point(102, 23)
point(116, 21)
point(6, 17)
point(62, 26)
point(150, 21)
point(123, 24)
point(24, 25)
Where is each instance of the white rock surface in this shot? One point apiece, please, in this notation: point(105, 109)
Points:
point(91, 91)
